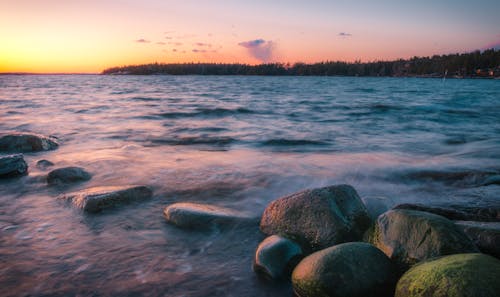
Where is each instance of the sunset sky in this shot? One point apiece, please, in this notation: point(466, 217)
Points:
point(88, 36)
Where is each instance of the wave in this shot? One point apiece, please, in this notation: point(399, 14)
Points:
point(206, 112)
point(292, 142)
point(222, 140)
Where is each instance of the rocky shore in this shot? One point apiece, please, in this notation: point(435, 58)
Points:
point(324, 241)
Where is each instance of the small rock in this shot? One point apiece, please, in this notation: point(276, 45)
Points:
point(44, 164)
point(276, 257)
point(12, 165)
point(353, 269)
point(409, 236)
point(482, 213)
point(461, 275)
point(25, 142)
point(318, 218)
point(202, 216)
point(485, 235)
point(67, 175)
point(99, 198)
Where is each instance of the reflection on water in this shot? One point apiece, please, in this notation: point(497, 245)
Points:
point(236, 142)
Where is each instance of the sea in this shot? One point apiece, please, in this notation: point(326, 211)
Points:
point(233, 141)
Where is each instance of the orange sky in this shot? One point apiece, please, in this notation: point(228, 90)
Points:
point(88, 36)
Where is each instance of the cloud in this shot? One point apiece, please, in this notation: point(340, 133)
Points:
point(175, 43)
point(260, 49)
point(142, 40)
point(344, 34)
point(203, 44)
point(160, 43)
point(195, 50)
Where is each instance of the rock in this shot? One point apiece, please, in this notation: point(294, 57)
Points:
point(345, 270)
point(465, 178)
point(492, 180)
point(99, 198)
point(25, 142)
point(409, 236)
point(318, 218)
point(202, 216)
point(67, 175)
point(482, 213)
point(276, 257)
point(485, 235)
point(12, 165)
point(43, 164)
point(461, 275)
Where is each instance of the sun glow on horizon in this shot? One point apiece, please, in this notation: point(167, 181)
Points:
point(89, 36)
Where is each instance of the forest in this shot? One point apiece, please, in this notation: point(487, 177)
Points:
point(480, 64)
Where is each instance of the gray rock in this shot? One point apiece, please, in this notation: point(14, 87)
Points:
point(318, 218)
point(202, 216)
point(99, 198)
point(352, 269)
point(26, 142)
point(43, 164)
point(12, 165)
point(67, 175)
point(482, 213)
point(486, 235)
point(408, 237)
point(276, 257)
point(461, 275)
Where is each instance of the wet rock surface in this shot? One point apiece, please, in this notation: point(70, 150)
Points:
point(482, 213)
point(203, 216)
point(352, 269)
point(409, 236)
point(276, 257)
point(461, 275)
point(44, 164)
point(12, 166)
point(26, 142)
point(99, 198)
point(485, 235)
point(68, 175)
point(318, 218)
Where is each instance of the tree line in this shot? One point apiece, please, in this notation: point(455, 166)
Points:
point(473, 64)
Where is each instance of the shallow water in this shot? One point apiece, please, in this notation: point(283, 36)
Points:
point(237, 142)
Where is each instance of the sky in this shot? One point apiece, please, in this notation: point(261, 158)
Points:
point(70, 36)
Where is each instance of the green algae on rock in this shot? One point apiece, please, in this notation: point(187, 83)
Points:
point(460, 275)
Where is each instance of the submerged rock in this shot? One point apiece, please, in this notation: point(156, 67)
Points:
point(12, 165)
point(276, 257)
point(485, 235)
point(202, 216)
point(492, 180)
point(67, 175)
point(354, 269)
point(318, 218)
point(465, 178)
point(26, 142)
point(482, 213)
point(99, 198)
point(461, 275)
point(43, 164)
point(408, 237)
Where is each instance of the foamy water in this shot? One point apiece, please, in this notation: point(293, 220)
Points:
point(237, 142)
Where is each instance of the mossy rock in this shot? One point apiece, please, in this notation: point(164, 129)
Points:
point(354, 269)
point(460, 275)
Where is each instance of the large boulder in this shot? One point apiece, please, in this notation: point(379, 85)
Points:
point(318, 218)
point(486, 235)
point(26, 142)
point(99, 198)
point(276, 257)
point(408, 237)
point(203, 216)
point(67, 175)
point(12, 165)
point(461, 212)
point(352, 269)
point(461, 275)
